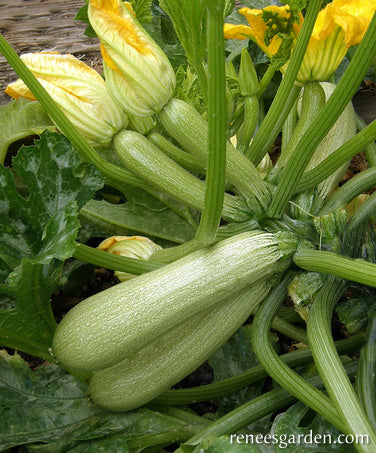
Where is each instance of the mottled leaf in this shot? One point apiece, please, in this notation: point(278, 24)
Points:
point(19, 119)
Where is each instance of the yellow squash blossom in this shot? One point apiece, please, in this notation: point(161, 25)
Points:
point(339, 25)
point(137, 247)
point(79, 91)
point(137, 72)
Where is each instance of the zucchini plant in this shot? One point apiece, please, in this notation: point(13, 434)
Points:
point(184, 151)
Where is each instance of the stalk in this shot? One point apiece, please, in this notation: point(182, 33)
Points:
point(288, 127)
point(355, 270)
point(363, 213)
point(217, 125)
point(322, 124)
point(329, 365)
point(312, 102)
point(278, 370)
point(114, 262)
point(370, 149)
point(287, 92)
point(339, 157)
point(185, 160)
point(289, 330)
point(249, 377)
point(255, 409)
point(365, 381)
point(357, 185)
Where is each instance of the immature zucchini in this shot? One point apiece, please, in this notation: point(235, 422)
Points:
point(147, 161)
point(105, 328)
point(141, 377)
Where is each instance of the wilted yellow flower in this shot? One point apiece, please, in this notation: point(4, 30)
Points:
point(137, 247)
point(339, 25)
point(137, 72)
point(78, 90)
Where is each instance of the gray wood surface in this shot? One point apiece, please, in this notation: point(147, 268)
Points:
point(40, 25)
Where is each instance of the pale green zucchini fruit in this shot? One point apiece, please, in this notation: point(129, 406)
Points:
point(103, 329)
point(341, 132)
point(143, 376)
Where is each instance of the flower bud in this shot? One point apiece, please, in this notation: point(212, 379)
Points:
point(78, 90)
point(137, 72)
point(137, 247)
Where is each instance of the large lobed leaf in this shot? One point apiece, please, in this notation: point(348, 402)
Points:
point(39, 229)
point(51, 406)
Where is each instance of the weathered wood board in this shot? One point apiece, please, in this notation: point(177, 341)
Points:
point(39, 25)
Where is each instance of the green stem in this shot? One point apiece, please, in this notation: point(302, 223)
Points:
point(255, 409)
point(289, 330)
point(112, 172)
point(266, 79)
point(114, 262)
point(217, 125)
point(231, 229)
point(185, 160)
point(182, 122)
point(329, 364)
point(338, 158)
point(363, 213)
point(254, 374)
point(278, 370)
point(288, 127)
point(355, 270)
point(366, 377)
point(312, 102)
point(370, 149)
point(357, 185)
point(287, 92)
point(321, 125)
point(251, 113)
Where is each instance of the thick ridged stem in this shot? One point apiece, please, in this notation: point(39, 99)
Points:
point(217, 125)
point(357, 185)
point(370, 149)
point(278, 370)
point(329, 364)
point(355, 270)
point(254, 374)
point(255, 409)
point(366, 376)
point(338, 158)
point(113, 262)
point(287, 92)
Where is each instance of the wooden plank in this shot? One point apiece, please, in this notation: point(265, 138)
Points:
point(44, 25)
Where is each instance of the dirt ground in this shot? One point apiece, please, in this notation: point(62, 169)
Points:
point(40, 25)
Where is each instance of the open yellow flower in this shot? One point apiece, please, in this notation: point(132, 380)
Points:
point(137, 72)
point(258, 26)
point(79, 91)
point(339, 25)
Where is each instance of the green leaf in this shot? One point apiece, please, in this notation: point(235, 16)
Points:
point(51, 406)
point(38, 233)
point(189, 19)
point(142, 214)
point(234, 357)
point(224, 445)
point(354, 312)
point(142, 9)
point(19, 119)
point(297, 434)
